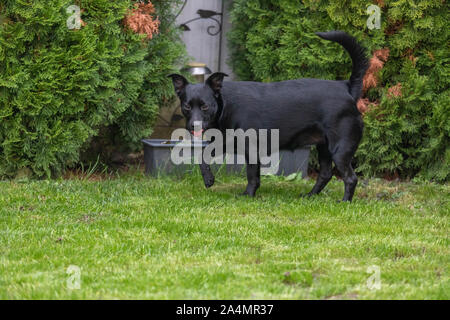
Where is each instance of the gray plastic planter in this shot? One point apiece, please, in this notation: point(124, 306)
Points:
point(157, 159)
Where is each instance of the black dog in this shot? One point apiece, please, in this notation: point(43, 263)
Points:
point(306, 112)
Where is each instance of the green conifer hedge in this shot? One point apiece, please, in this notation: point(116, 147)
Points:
point(407, 123)
point(60, 87)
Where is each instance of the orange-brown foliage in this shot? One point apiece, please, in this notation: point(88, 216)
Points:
point(394, 27)
point(395, 91)
point(376, 64)
point(364, 104)
point(140, 19)
point(380, 3)
point(370, 80)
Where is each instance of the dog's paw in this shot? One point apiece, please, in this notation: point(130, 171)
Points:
point(247, 194)
point(305, 195)
point(209, 181)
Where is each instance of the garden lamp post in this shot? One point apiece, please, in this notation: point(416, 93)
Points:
point(198, 70)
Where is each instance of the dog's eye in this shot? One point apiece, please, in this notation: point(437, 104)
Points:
point(204, 107)
point(187, 106)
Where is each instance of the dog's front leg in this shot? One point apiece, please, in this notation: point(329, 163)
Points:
point(208, 177)
point(253, 179)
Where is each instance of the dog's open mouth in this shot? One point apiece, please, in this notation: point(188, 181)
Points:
point(197, 133)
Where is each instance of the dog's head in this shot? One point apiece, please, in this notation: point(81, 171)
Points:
point(200, 102)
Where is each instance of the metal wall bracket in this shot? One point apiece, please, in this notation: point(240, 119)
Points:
point(203, 14)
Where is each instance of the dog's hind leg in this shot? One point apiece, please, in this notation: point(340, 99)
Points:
point(325, 172)
point(344, 167)
point(344, 150)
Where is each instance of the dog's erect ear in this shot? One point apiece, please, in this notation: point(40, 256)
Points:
point(215, 81)
point(179, 82)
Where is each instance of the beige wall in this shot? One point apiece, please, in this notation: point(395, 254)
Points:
point(201, 46)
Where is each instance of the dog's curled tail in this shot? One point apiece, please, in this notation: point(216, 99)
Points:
point(358, 55)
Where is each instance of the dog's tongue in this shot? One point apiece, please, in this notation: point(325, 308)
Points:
point(197, 133)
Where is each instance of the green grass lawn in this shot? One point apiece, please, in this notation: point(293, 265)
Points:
point(138, 237)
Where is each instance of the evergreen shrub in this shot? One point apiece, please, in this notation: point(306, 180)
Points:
point(61, 86)
point(406, 103)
